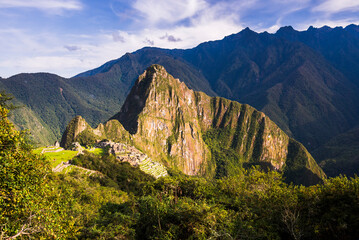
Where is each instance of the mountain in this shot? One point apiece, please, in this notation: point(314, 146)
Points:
point(48, 102)
point(341, 154)
point(340, 46)
point(306, 82)
point(289, 81)
point(297, 86)
point(199, 134)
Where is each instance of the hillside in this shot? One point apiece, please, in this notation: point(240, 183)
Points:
point(340, 155)
point(198, 134)
point(48, 102)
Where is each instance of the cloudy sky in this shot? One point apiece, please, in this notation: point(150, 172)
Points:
point(67, 37)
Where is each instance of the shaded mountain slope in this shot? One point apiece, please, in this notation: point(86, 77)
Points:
point(340, 46)
point(126, 69)
point(291, 83)
point(341, 154)
point(48, 103)
point(193, 132)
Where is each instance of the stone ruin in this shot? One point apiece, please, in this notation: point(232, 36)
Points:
point(125, 153)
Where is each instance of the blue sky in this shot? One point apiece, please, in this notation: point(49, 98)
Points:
point(67, 37)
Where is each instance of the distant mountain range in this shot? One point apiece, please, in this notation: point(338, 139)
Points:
point(307, 82)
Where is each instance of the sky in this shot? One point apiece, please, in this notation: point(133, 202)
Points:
point(67, 37)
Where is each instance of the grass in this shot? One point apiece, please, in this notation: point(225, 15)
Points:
point(97, 151)
point(39, 150)
point(56, 158)
point(65, 155)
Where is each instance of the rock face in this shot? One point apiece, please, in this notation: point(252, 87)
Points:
point(73, 129)
point(160, 112)
point(202, 135)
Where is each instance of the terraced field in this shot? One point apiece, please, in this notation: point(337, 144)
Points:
point(153, 168)
point(56, 155)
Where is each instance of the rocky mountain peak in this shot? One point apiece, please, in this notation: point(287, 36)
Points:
point(154, 79)
point(203, 135)
point(73, 129)
point(169, 121)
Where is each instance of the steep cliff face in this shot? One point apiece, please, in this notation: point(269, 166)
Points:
point(189, 129)
point(161, 115)
point(76, 126)
point(202, 135)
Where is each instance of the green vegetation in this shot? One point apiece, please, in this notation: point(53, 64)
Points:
point(252, 204)
point(29, 204)
point(101, 198)
point(91, 198)
point(340, 155)
point(224, 160)
point(56, 158)
point(119, 175)
point(97, 151)
point(86, 138)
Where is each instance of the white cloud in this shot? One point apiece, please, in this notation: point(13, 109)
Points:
point(42, 4)
point(161, 23)
point(168, 11)
point(334, 6)
point(72, 48)
point(69, 55)
point(117, 37)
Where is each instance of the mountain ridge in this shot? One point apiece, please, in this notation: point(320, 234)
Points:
point(307, 83)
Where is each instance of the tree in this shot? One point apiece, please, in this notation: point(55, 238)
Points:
point(29, 206)
point(4, 101)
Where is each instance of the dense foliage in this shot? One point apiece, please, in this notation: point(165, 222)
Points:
point(101, 198)
point(29, 205)
point(250, 205)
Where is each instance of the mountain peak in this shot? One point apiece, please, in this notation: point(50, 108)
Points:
point(151, 72)
point(155, 72)
point(169, 121)
point(352, 28)
point(156, 68)
point(154, 80)
point(247, 30)
point(286, 29)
